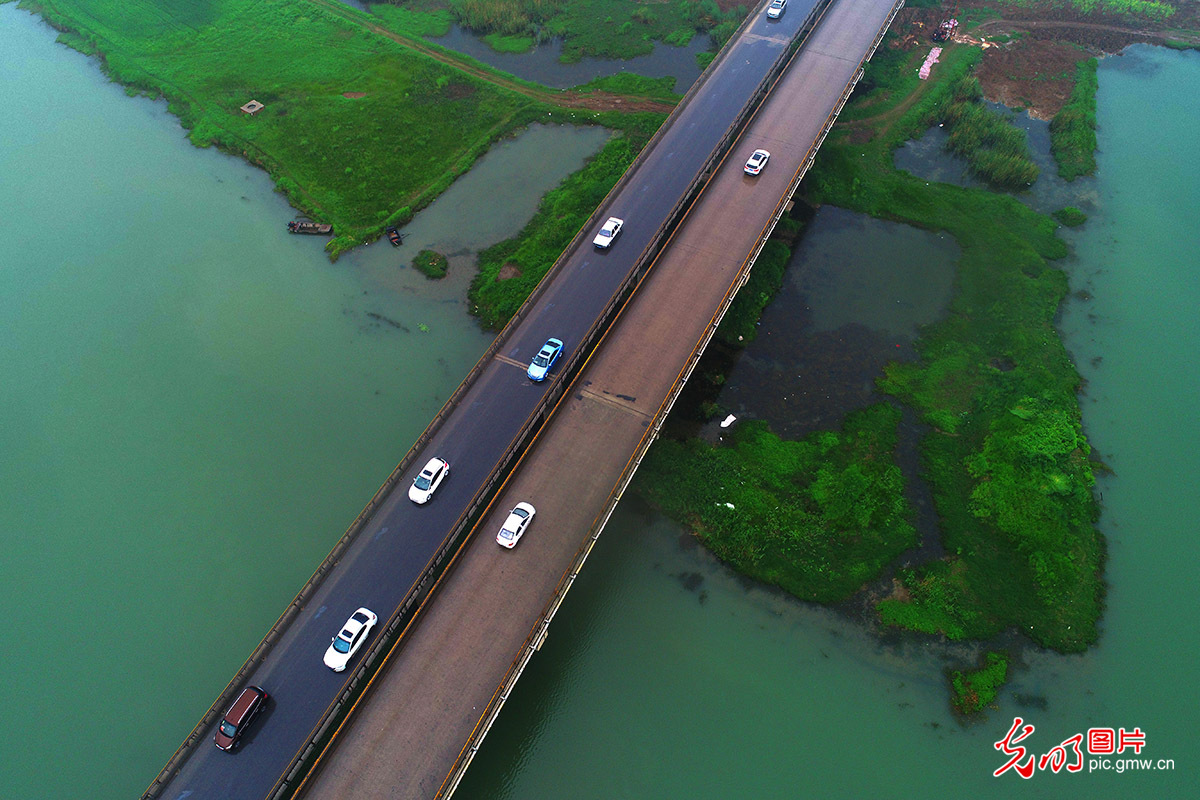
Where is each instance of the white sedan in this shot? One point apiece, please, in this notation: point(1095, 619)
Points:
point(427, 482)
point(518, 520)
point(776, 9)
point(757, 161)
point(350, 639)
point(608, 232)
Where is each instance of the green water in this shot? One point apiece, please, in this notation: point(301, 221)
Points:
point(667, 676)
point(193, 404)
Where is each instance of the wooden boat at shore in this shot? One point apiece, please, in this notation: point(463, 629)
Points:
point(394, 235)
point(308, 226)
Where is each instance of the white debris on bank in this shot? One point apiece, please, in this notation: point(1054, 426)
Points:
point(930, 60)
point(725, 423)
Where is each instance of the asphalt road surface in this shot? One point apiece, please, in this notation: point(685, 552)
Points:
point(390, 553)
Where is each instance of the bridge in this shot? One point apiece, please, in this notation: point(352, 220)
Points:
point(635, 320)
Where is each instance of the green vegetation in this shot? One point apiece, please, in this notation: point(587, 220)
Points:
point(509, 271)
point(414, 22)
point(357, 129)
point(627, 83)
point(740, 325)
point(1070, 216)
point(1006, 458)
point(888, 77)
point(994, 148)
point(1073, 129)
point(975, 689)
point(818, 517)
point(432, 263)
point(602, 28)
point(1146, 9)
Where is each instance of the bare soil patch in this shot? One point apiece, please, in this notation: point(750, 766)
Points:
point(354, 95)
point(1030, 53)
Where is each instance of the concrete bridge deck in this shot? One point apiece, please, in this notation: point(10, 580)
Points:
point(431, 706)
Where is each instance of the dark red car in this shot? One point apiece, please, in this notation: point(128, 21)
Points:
point(239, 716)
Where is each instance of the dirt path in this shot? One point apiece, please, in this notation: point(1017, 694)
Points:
point(1090, 26)
point(594, 101)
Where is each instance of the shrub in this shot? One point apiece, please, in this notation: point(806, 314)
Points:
point(432, 263)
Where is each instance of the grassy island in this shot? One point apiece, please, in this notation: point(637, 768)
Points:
point(432, 263)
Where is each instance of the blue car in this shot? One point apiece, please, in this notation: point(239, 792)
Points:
point(545, 359)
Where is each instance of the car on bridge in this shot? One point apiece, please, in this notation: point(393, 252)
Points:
point(776, 9)
point(349, 639)
point(608, 232)
point(429, 479)
point(757, 161)
point(239, 716)
point(539, 368)
point(518, 520)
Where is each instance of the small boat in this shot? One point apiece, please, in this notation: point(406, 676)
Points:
point(394, 236)
point(307, 226)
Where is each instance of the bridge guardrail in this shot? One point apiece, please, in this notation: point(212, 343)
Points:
point(416, 595)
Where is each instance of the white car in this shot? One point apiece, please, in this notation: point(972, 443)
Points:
point(608, 232)
point(757, 161)
point(775, 10)
point(349, 639)
point(518, 520)
point(427, 482)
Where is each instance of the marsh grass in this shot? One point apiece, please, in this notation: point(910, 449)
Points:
point(973, 690)
point(1070, 216)
point(817, 517)
point(1073, 129)
point(1005, 458)
point(995, 149)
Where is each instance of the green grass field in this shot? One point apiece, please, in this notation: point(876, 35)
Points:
point(358, 130)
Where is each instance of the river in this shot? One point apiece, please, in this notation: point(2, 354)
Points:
point(194, 407)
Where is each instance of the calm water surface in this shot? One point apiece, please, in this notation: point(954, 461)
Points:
point(194, 404)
